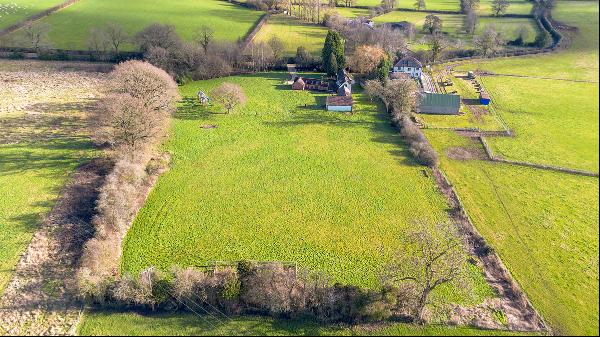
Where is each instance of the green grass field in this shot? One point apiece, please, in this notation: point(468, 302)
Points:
point(453, 24)
point(101, 324)
point(38, 151)
point(543, 224)
point(282, 179)
point(71, 26)
point(294, 33)
point(13, 11)
point(485, 7)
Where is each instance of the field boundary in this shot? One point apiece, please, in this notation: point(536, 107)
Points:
point(41, 297)
point(492, 157)
point(520, 313)
point(35, 17)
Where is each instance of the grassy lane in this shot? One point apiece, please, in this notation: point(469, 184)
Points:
point(101, 324)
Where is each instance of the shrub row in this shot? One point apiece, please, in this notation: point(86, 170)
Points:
point(270, 289)
point(420, 147)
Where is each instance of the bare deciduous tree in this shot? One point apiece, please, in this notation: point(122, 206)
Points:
point(277, 47)
point(433, 24)
point(400, 96)
point(115, 35)
point(229, 95)
point(36, 35)
point(204, 36)
point(489, 42)
point(499, 7)
point(437, 44)
point(430, 257)
point(158, 35)
point(420, 5)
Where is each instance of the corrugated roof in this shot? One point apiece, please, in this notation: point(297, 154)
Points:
point(340, 100)
point(441, 100)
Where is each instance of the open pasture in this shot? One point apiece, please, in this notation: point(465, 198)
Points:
point(13, 11)
point(42, 140)
point(281, 179)
point(544, 226)
point(294, 33)
point(70, 27)
point(453, 24)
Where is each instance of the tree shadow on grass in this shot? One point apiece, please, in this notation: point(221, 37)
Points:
point(190, 109)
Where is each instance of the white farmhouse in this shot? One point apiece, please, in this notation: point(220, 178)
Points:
point(408, 65)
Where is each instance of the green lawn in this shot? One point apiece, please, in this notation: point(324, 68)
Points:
point(555, 120)
point(282, 179)
point(71, 26)
point(13, 11)
point(131, 324)
point(294, 33)
point(350, 12)
point(543, 224)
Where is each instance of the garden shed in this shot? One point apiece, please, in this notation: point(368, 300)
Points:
point(339, 103)
point(440, 104)
point(298, 84)
point(484, 98)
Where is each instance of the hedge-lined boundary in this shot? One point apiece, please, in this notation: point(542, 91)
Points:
point(526, 317)
point(494, 158)
point(36, 17)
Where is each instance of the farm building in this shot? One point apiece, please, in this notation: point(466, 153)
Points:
point(313, 84)
point(484, 98)
point(408, 65)
point(339, 103)
point(439, 104)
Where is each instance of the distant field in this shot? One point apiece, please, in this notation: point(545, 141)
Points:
point(294, 33)
point(281, 179)
point(453, 24)
point(13, 11)
point(485, 7)
point(349, 12)
point(71, 26)
point(543, 224)
point(118, 324)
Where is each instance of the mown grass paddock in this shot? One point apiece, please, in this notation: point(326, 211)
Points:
point(293, 33)
point(71, 26)
point(543, 224)
point(13, 11)
point(283, 180)
point(453, 24)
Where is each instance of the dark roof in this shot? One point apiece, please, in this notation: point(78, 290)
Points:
point(441, 100)
point(409, 61)
point(343, 76)
point(340, 100)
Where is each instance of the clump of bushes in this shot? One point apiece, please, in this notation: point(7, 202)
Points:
point(420, 147)
point(270, 289)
